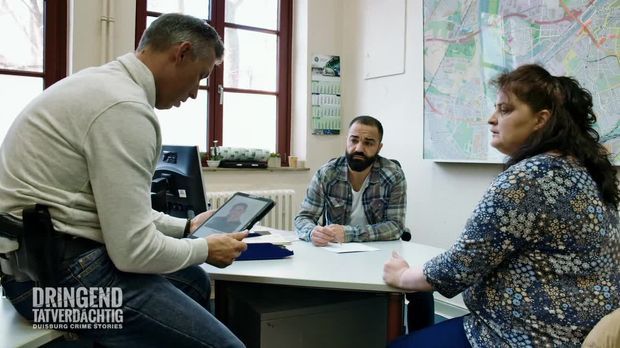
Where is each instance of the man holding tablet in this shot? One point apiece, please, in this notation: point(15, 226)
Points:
point(91, 142)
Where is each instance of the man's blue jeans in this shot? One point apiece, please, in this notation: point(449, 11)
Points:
point(169, 310)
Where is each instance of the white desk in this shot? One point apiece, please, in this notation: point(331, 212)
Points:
point(314, 267)
point(18, 332)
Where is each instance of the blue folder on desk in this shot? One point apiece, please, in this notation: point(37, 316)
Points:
point(264, 251)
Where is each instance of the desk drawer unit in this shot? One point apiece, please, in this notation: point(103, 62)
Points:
point(270, 316)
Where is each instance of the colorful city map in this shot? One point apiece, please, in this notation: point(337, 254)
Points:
point(468, 42)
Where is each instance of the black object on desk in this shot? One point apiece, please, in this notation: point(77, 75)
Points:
point(242, 164)
point(264, 251)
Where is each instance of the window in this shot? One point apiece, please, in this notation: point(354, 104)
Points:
point(246, 100)
point(33, 56)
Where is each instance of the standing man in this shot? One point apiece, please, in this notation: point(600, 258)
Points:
point(87, 148)
point(361, 197)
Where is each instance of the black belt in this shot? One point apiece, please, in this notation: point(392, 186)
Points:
point(68, 246)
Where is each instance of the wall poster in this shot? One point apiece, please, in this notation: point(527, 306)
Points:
point(325, 94)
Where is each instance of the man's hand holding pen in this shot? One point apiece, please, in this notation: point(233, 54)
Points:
point(323, 235)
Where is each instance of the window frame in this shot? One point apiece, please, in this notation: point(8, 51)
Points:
point(284, 71)
point(55, 26)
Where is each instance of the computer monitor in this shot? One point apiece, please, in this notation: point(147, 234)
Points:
point(177, 183)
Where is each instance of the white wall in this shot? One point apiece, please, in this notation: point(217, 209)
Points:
point(318, 30)
point(441, 196)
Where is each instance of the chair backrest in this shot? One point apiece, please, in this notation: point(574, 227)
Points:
point(406, 236)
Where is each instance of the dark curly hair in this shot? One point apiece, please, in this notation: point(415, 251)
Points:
point(368, 121)
point(569, 130)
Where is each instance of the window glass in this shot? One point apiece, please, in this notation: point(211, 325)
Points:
point(196, 8)
point(250, 120)
point(21, 47)
point(251, 33)
point(149, 20)
point(187, 124)
point(250, 61)
point(254, 13)
point(22, 90)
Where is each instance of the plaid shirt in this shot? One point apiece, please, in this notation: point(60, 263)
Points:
point(329, 194)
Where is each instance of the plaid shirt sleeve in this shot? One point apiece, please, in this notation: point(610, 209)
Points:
point(311, 208)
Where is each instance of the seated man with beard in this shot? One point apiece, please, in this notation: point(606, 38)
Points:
point(361, 197)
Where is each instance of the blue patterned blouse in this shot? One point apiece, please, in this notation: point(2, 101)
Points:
point(538, 260)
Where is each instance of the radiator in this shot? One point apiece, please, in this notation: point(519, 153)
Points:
point(280, 216)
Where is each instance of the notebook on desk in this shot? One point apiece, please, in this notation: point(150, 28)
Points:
point(264, 251)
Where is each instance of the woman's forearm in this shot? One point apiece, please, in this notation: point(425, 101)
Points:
point(413, 279)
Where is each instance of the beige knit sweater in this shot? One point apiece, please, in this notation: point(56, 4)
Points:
point(87, 147)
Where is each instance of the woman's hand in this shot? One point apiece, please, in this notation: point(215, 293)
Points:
point(393, 270)
point(397, 273)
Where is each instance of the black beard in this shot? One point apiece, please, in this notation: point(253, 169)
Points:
point(357, 165)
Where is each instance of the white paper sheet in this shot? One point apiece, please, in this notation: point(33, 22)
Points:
point(349, 248)
point(278, 237)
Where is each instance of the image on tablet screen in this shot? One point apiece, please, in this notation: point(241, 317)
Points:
point(232, 217)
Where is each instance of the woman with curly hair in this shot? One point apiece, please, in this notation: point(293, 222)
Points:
point(538, 261)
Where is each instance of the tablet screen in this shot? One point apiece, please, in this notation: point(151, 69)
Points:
point(240, 212)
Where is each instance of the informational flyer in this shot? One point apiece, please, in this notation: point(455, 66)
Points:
point(325, 94)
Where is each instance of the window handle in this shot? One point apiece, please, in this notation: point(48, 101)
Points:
point(220, 90)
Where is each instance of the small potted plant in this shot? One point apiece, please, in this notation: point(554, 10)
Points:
point(215, 157)
point(274, 160)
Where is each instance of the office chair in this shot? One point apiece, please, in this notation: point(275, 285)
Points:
point(406, 236)
point(606, 333)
